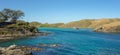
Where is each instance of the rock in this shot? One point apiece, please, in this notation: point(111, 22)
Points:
point(98, 29)
point(1, 52)
point(2, 48)
point(11, 50)
point(49, 45)
point(17, 50)
point(14, 52)
point(24, 48)
point(42, 44)
point(12, 47)
point(28, 53)
point(54, 45)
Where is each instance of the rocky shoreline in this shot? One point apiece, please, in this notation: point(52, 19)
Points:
point(17, 36)
point(23, 50)
point(18, 50)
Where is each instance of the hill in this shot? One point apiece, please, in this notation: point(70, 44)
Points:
point(100, 22)
point(90, 23)
point(113, 27)
point(81, 24)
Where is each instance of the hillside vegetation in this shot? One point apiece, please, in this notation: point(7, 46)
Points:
point(100, 22)
point(80, 24)
point(111, 27)
point(11, 26)
point(90, 23)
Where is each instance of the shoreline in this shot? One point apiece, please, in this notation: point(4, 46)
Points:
point(18, 36)
point(19, 50)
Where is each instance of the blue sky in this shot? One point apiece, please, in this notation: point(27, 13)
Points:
point(54, 11)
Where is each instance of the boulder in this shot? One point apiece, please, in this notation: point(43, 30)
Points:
point(11, 47)
point(54, 45)
point(28, 53)
point(11, 50)
point(24, 48)
point(49, 45)
point(14, 52)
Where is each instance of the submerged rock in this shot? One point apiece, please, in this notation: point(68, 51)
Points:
point(49, 45)
point(25, 48)
point(54, 45)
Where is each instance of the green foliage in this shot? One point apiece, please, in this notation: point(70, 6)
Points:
point(19, 27)
point(35, 24)
point(45, 25)
point(10, 15)
point(1, 20)
point(82, 24)
point(52, 25)
point(57, 24)
point(16, 26)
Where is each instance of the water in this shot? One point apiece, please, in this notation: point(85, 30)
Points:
point(72, 42)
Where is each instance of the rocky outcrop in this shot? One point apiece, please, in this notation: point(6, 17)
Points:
point(18, 50)
point(11, 50)
point(111, 28)
point(7, 37)
point(49, 45)
point(25, 48)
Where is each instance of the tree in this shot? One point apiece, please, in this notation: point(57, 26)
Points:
point(3, 17)
point(16, 15)
point(10, 15)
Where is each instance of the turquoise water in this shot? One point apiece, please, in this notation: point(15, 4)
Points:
point(72, 42)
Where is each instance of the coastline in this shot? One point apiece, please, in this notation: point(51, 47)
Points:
point(17, 36)
point(19, 50)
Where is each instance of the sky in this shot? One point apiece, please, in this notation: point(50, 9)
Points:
point(57, 11)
